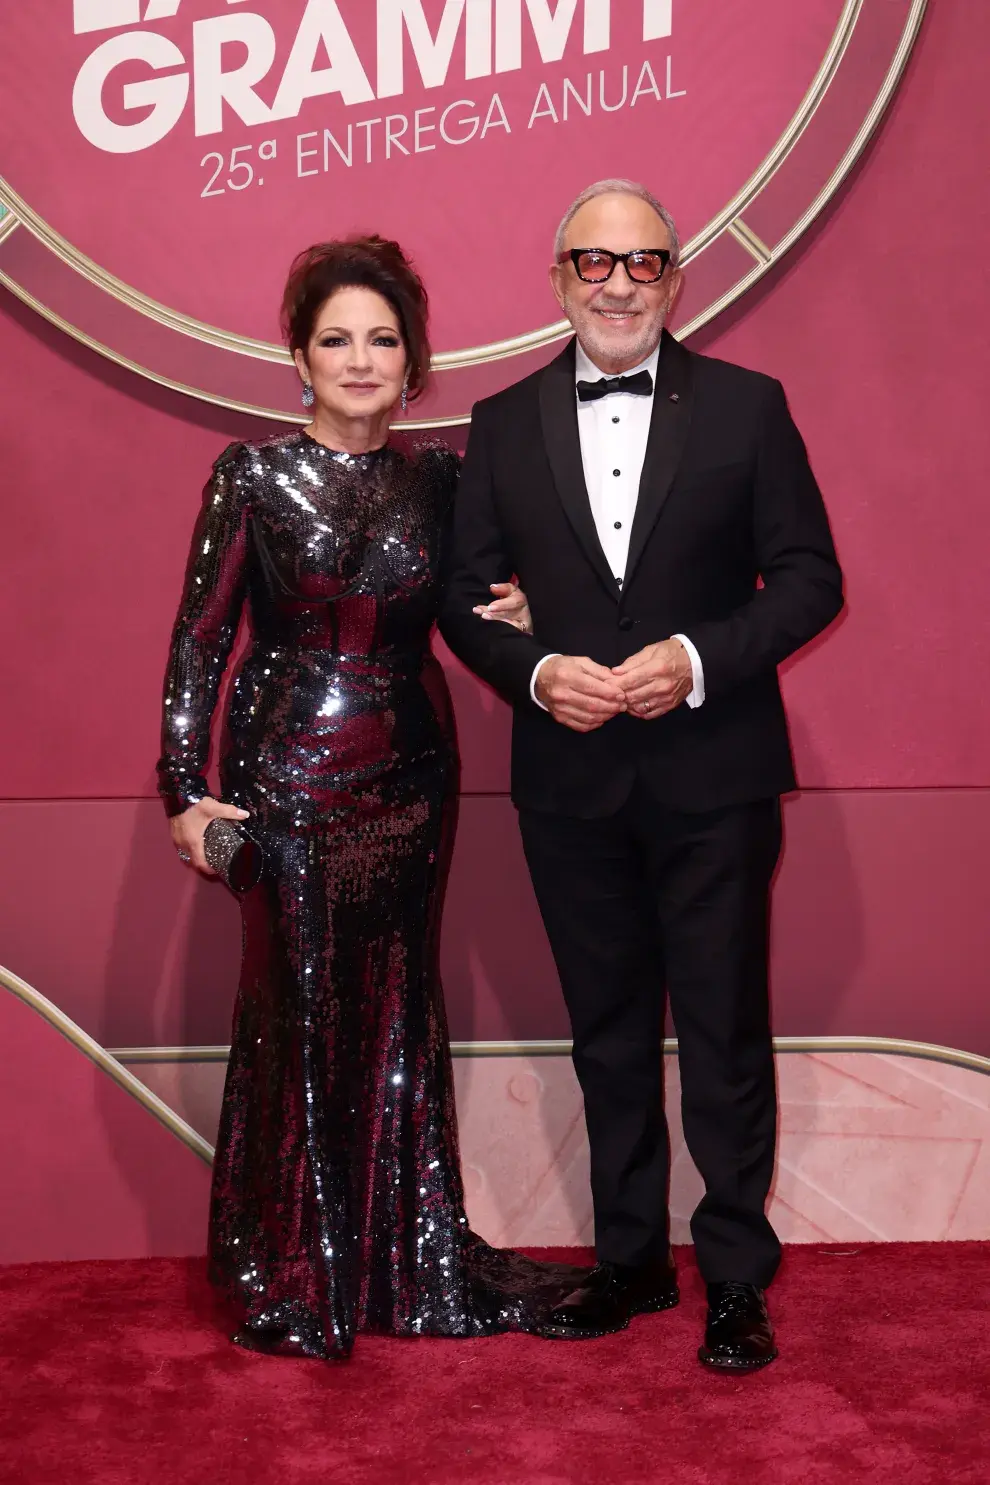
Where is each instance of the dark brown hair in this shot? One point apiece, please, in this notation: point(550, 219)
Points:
point(369, 263)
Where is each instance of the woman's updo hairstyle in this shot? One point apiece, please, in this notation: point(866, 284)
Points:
point(368, 263)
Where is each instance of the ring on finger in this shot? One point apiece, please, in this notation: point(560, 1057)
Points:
point(185, 857)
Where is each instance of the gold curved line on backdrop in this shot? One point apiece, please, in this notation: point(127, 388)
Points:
point(894, 73)
point(113, 1061)
point(471, 356)
point(107, 1063)
point(251, 409)
point(499, 350)
point(865, 132)
point(808, 107)
point(474, 355)
point(748, 239)
point(879, 1045)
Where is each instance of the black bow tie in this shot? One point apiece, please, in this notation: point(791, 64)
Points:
point(640, 385)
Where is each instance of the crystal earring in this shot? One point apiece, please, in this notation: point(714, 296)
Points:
point(405, 395)
point(308, 395)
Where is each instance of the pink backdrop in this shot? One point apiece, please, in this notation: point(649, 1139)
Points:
point(873, 324)
point(733, 87)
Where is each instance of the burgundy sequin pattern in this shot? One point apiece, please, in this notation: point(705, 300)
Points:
point(337, 1199)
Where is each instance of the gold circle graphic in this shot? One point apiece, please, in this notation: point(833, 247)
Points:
point(729, 222)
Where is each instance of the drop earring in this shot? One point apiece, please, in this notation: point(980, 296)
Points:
point(308, 395)
point(405, 395)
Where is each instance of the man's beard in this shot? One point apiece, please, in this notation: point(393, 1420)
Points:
point(602, 348)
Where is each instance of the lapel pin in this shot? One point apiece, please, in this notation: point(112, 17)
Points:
point(675, 396)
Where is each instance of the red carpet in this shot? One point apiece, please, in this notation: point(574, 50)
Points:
point(117, 1373)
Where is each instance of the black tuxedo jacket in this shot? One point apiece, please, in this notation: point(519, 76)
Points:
point(730, 545)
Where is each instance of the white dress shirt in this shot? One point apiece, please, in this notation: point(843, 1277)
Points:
point(614, 431)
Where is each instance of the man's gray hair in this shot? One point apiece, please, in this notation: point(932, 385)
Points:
point(618, 188)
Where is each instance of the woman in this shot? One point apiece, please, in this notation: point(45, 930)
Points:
point(337, 1199)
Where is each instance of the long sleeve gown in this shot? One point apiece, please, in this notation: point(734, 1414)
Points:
point(337, 1199)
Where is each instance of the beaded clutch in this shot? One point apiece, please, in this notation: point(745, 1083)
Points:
point(234, 855)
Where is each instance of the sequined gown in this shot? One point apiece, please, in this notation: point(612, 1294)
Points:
point(337, 1200)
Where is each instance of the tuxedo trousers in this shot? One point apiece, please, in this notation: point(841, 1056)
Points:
point(644, 906)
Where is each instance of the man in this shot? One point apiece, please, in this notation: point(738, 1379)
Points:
point(661, 515)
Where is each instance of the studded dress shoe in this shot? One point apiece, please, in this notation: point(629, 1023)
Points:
point(738, 1334)
point(608, 1298)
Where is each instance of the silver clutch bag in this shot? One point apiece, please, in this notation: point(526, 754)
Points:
point(233, 854)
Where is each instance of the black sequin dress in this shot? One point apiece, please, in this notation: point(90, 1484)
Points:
point(337, 1198)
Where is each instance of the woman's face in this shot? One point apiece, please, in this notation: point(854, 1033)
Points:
point(355, 359)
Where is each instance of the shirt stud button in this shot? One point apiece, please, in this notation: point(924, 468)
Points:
point(618, 525)
point(616, 472)
point(616, 420)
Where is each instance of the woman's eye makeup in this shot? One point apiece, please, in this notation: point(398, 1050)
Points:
point(390, 342)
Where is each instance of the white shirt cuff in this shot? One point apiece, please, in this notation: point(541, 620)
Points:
point(695, 697)
point(697, 694)
point(532, 684)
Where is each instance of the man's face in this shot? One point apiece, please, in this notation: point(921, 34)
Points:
point(618, 322)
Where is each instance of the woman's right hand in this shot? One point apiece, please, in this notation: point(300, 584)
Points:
point(189, 828)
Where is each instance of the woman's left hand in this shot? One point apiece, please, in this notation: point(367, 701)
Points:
point(510, 605)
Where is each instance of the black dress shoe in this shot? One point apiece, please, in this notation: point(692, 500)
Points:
point(738, 1335)
point(609, 1297)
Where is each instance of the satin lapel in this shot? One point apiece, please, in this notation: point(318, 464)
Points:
point(558, 413)
point(669, 425)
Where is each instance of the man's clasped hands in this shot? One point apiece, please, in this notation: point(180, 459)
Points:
point(583, 695)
